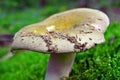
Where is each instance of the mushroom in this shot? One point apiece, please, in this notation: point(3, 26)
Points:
point(62, 36)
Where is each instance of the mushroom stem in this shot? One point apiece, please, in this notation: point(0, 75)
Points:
point(59, 66)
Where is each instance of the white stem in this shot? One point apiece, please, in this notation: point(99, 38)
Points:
point(59, 66)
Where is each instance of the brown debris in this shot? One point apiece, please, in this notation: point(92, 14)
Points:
point(79, 39)
point(81, 31)
point(22, 39)
point(51, 48)
point(90, 38)
point(72, 39)
point(88, 32)
point(80, 47)
point(100, 19)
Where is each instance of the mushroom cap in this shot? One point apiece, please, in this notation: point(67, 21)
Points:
point(71, 31)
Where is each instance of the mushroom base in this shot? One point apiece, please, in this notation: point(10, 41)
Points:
point(59, 66)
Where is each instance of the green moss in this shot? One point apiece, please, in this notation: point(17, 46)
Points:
point(25, 66)
point(4, 51)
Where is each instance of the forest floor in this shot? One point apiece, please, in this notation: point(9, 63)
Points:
point(101, 62)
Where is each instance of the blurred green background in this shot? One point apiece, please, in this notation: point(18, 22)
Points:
point(99, 63)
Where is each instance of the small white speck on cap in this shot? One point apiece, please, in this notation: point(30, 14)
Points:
point(50, 28)
point(35, 31)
